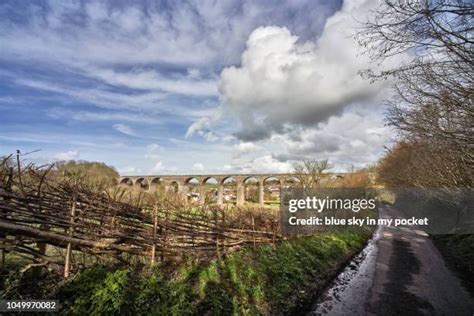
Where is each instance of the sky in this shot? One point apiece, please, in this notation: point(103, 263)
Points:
point(189, 87)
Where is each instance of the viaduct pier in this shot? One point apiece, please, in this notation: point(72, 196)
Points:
point(180, 184)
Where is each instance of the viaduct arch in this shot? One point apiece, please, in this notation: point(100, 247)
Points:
point(180, 184)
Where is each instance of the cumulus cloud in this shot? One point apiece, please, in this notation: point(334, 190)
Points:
point(290, 87)
point(246, 147)
point(124, 129)
point(68, 155)
point(283, 81)
point(242, 149)
point(352, 138)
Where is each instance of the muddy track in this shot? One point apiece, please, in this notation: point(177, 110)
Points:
point(400, 272)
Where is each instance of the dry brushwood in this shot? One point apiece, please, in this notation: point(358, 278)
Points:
point(69, 215)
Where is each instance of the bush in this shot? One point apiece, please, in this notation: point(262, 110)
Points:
point(459, 253)
point(76, 294)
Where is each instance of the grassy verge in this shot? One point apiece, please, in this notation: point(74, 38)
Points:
point(264, 280)
point(458, 250)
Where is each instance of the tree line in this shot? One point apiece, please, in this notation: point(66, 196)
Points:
point(432, 107)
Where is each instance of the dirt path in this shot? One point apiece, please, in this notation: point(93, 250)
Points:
point(399, 273)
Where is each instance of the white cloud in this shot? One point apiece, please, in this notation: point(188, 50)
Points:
point(246, 147)
point(200, 124)
point(152, 80)
point(191, 33)
point(283, 80)
point(121, 106)
point(352, 138)
point(89, 116)
point(68, 155)
point(154, 66)
point(124, 129)
point(227, 167)
point(129, 171)
point(198, 167)
point(209, 136)
point(264, 164)
point(152, 151)
point(158, 167)
point(100, 97)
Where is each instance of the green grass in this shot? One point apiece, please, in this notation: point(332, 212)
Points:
point(276, 280)
point(458, 250)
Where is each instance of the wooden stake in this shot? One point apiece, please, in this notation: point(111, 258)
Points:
point(216, 230)
point(67, 260)
point(253, 228)
point(155, 225)
point(3, 259)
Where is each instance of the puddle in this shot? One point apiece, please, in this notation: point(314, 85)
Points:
point(347, 294)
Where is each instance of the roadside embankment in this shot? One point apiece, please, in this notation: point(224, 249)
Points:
point(280, 279)
point(458, 251)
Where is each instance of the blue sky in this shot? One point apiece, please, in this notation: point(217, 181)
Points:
point(155, 87)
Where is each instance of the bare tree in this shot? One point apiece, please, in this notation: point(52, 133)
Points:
point(310, 172)
point(436, 36)
point(434, 85)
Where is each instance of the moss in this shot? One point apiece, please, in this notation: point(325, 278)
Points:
point(277, 280)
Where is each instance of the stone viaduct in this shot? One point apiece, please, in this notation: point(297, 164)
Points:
point(180, 183)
